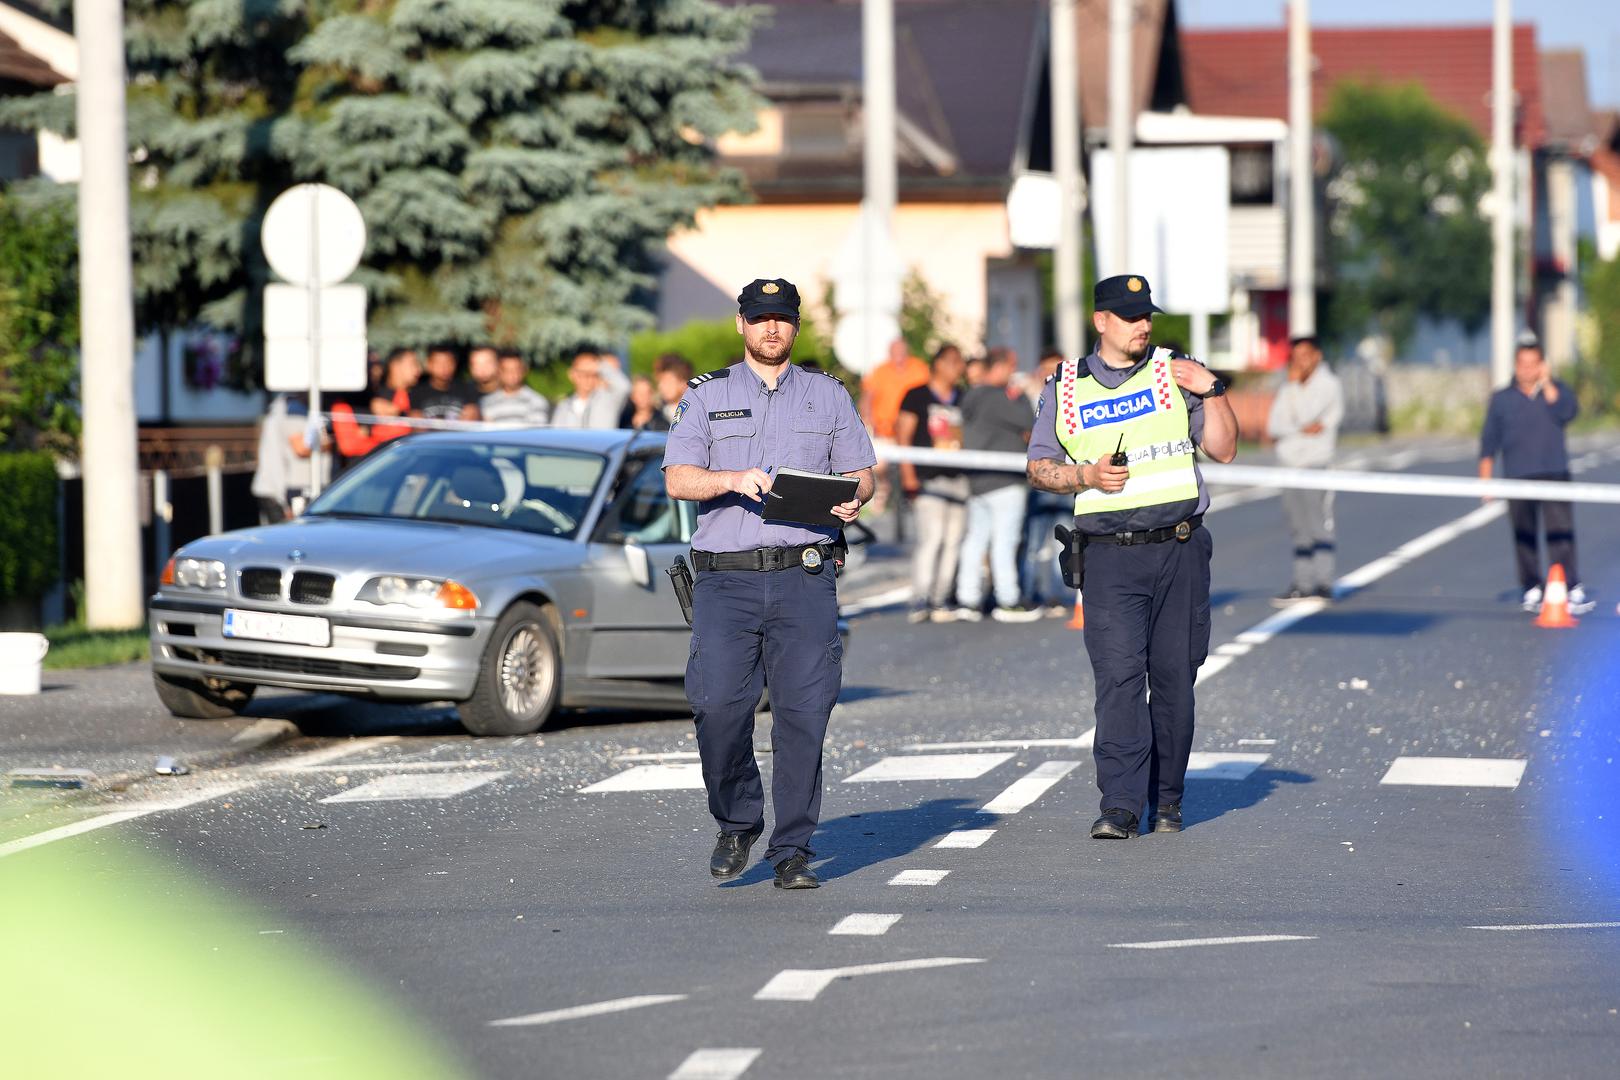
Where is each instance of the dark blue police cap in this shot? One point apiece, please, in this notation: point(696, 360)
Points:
point(1126, 295)
point(768, 296)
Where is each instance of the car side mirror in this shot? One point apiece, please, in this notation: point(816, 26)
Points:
point(635, 556)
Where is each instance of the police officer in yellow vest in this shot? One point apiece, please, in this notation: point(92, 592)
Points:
point(1119, 430)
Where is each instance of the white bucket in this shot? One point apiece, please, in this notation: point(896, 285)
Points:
point(21, 656)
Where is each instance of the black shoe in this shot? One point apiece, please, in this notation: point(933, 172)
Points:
point(1325, 592)
point(731, 852)
point(1115, 824)
point(795, 873)
point(1289, 598)
point(1167, 818)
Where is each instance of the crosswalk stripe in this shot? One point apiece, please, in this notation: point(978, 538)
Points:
point(431, 786)
point(965, 838)
point(864, 924)
point(919, 877)
point(1210, 765)
point(929, 767)
point(681, 776)
point(1026, 789)
point(1455, 772)
point(716, 1063)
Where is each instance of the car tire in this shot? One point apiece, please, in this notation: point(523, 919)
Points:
point(519, 678)
point(201, 699)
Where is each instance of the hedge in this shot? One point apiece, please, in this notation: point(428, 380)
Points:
point(29, 560)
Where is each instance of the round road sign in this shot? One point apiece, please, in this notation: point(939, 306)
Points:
point(313, 234)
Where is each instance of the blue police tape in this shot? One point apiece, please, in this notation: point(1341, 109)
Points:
point(1271, 476)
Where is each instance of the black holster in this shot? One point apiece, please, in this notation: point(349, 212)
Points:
point(680, 578)
point(1073, 559)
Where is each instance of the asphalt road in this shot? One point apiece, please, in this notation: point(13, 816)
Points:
point(1403, 853)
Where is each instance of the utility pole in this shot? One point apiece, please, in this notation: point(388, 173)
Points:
point(1121, 118)
point(1066, 166)
point(877, 100)
point(1301, 184)
point(1502, 102)
point(112, 537)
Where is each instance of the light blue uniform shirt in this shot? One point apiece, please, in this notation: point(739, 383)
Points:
point(729, 420)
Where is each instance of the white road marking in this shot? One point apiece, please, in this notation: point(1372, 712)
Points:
point(327, 753)
point(897, 595)
point(580, 1012)
point(1226, 500)
point(1555, 926)
point(262, 731)
point(1026, 789)
point(716, 1063)
point(965, 838)
point(1191, 943)
point(1359, 578)
point(1206, 765)
point(673, 755)
point(864, 924)
point(1080, 742)
point(919, 877)
point(1257, 742)
point(1234, 648)
point(806, 984)
point(929, 767)
point(672, 777)
point(1456, 772)
point(101, 821)
point(396, 788)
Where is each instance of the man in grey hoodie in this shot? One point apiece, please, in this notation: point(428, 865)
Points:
point(1304, 421)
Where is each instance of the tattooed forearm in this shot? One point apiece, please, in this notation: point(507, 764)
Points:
point(1050, 475)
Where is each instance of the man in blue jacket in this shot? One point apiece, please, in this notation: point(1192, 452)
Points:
point(1525, 425)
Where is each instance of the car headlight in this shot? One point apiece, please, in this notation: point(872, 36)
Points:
point(190, 573)
point(418, 593)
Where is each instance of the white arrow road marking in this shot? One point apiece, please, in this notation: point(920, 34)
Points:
point(864, 924)
point(1026, 789)
point(672, 777)
point(805, 984)
point(1554, 926)
point(929, 767)
point(128, 813)
point(716, 1063)
point(1191, 943)
point(919, 877)
point(965, 838)
point(432, 786)
point(1079, 742)
point(580, 1012)
point(1456, 772)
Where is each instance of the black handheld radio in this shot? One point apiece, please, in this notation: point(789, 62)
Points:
point(1118, 457)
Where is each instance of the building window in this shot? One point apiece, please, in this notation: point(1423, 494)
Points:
point(1254, 178)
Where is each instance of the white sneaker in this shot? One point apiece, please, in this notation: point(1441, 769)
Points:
point(1016, 613)
point(943, 614)
point(969, 614)
point(917, 615)
point(1532, 599)
point(1057, 611)
point(1579, 602)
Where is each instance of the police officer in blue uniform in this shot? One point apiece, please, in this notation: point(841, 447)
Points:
point(765, 601)
point(1145, 553)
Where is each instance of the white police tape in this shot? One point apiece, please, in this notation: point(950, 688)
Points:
point(1375, 483)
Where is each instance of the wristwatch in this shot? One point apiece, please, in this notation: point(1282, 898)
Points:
point(1215, 390)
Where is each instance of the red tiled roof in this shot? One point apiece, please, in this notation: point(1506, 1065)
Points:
point(1245, 72)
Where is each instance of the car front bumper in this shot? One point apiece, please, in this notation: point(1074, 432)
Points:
point(393, 659)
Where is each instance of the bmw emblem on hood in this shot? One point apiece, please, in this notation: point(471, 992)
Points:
point(295, 555)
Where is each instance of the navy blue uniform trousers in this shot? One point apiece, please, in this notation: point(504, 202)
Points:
point(751, 628)
point(1147, 630)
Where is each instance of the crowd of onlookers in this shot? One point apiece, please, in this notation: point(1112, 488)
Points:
point(966, 520)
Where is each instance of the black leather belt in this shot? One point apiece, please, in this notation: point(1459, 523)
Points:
point(1179, 531)
point(771, 558)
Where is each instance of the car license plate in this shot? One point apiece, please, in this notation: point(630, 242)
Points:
point(268, 626)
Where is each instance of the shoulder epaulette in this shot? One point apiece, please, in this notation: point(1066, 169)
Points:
point(824, 375)
point(718, 373)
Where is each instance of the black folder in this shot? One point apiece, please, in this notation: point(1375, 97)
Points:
point(806, 498)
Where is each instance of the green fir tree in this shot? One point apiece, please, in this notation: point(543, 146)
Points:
point(518, 162)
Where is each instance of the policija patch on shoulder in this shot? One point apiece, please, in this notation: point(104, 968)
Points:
point(680, 411)
point(731, 414)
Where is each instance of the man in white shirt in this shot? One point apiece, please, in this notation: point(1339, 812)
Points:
point(600, 390)
point(514, 401)
point(1304, 421)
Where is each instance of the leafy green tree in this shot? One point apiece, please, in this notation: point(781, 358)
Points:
point(1406, 235)
point(1601, 365)
point(39, 324)
point(518, 162)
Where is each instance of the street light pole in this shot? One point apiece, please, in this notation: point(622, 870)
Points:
point(1121, 117)
point(1066, 166)
point(1301, 187)
point(1502, 101)
point(112, 537)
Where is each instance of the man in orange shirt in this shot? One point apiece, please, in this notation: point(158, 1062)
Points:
point(882, 390)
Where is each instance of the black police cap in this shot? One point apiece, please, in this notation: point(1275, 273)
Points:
point(1126, 295)
point(768, 296)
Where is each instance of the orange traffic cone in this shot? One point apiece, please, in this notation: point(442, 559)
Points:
point(1078, 620)
point(1555, 603)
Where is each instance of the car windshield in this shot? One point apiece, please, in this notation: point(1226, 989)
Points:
point(526, 488)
